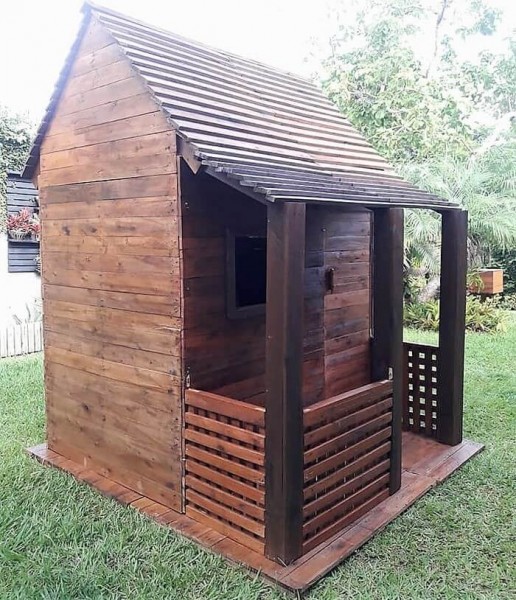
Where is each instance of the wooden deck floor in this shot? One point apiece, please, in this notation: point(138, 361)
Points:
point(426, 463)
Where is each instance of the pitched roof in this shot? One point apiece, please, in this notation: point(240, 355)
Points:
point(271, 133)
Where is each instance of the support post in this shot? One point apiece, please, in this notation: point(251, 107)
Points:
point(387, 318)
point(450, 373)
point(283, 404)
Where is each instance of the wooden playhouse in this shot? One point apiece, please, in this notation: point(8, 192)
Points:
point(222, 260)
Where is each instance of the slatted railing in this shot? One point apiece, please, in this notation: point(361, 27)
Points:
point(224, 446)
point(420, 388)
point(347, 445)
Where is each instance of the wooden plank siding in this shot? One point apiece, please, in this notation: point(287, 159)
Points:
point(111, 275)
point(227, 356)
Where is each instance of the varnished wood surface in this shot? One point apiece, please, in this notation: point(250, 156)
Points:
point(227, 356)
point(111, 276)
point(426, 463)
point(224, 484)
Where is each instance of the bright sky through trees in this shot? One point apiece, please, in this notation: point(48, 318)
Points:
point(35, 35)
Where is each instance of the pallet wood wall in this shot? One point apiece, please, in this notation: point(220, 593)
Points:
point(337, 321)
point(227, 356)
point(111, 275)
point(222, 355)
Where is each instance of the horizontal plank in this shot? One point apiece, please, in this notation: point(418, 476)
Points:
point(223, 497)
point(224, 512)
point(363, 462)
point(117, 245)
point(349, 484)
point(229, 466)
point(153, 186)
point(96, 57)
point(144, 303)
point(73, 103)
point(79, 380)
point(333, 445)
point(337, 460)
point(227, 407)
point(344, 521)
point(140, 338)
point(111, 263)
point(253, 493)
point(332, 407)
point(90, 346)
point(116, 470)
point(114, 110)
point(87, 78)
point(130, 167)
point(334, 428)
point(153, 380)
point(219, 445)
point(141, 146)
point(116, 282)
point(114, 226)
point(151, 122)
point(157, 431)
point(152, 459)
point(230, 431)
point(231, 532)
point(113, 316)
point(161, 206)
point(342, 507)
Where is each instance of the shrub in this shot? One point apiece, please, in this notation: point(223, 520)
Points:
point(481, 315)
point(484, 315)
point(507, 301)
point(422, 315)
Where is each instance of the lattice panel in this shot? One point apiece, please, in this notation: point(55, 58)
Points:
point(347, 443)
point(224, 447)
point(420, 399)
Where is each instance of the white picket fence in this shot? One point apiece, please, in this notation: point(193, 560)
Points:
point(21, 339)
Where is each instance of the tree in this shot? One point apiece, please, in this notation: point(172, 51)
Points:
point(408, 75)
point(375, 77)
point(15, 138)
point(483, 184)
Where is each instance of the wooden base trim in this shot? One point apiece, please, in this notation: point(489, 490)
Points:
point(426, 463)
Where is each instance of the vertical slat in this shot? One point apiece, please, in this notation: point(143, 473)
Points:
point(406, 391)
point(387, 343)
point(284, 355)
point(451, 326)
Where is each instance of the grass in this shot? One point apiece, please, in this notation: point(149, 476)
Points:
point(60, 540)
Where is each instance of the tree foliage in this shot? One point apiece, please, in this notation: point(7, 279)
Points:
point(485, 185)
point(15, 138)
point(412, 105)
point(445, 117)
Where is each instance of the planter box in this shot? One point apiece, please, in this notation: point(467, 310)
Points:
point(492, 280)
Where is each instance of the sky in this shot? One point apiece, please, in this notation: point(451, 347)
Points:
point(35, 35)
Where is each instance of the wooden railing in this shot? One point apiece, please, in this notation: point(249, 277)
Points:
point(420, 388)
point(347, 440)
point(224, 446)
point(346, 456)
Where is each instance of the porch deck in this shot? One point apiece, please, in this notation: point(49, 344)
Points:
point(426, 463)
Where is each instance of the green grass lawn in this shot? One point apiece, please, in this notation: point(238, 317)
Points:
point(60, 540)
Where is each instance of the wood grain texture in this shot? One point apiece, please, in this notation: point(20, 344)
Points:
point(111, 273)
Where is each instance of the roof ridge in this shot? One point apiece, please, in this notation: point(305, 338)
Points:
point(93, 6)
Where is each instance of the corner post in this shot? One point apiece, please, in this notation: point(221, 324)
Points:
point(387, 318)
point(283, 378)
point(450, 380)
